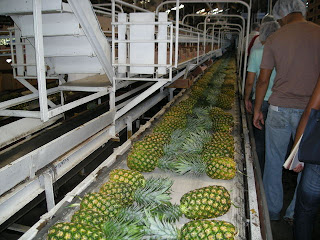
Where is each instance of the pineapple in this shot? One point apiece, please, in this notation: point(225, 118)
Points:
point(134, 178)
point(155, 192)
point(224, 102)
point(120, 190)
point(159, 138)
point(214, 151)
point(224, 137)
point(207, 202)
point(89, 217)
point(143, 160)
point(74, 231)
point(101, 203)
point(170, 123)
point(221, 168)
point(193, 230)
point(207, 229)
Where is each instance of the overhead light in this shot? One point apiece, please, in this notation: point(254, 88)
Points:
point(220, 11)
point(175, 8)
point(201, 11)
point(9, 60)
point(168, 11)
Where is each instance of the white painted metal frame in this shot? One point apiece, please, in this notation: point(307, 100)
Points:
point(42, 93)
point(60, 164)
point(241, 38)
point(248, 6)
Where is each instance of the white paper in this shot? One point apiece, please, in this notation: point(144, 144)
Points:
point(293, 160)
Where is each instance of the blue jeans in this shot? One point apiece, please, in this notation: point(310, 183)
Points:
point(260, 136)
point(281, 125)
point(308, 202)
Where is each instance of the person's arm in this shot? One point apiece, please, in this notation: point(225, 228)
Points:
point(248, 88)
point(261, 89)
point(314, 103)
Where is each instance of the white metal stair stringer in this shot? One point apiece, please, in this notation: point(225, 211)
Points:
point(87, 18)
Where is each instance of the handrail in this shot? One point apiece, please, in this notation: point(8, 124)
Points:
point(107, 5)
point(222, 1)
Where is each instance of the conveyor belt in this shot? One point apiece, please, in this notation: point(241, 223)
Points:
point(182, 184)
point(49, 135)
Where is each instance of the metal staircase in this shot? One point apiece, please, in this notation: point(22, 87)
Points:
point(57, 40)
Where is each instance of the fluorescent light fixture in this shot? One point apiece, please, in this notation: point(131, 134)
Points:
point(175, 8)
point(220, 11)
point(200, 11)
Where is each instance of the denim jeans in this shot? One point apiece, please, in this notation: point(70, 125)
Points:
point(281, 125)
point(308, 202)
point(260, 136)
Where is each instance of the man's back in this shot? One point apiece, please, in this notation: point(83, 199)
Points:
point(294, 51)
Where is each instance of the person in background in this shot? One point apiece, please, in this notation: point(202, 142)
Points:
point(253, 71)
point(254, 32)
point(256, 43)
point(294, 50)
point(308, 193)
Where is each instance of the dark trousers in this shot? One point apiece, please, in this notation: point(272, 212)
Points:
point(308, 202)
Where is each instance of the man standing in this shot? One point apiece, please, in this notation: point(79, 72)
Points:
point(294, 50)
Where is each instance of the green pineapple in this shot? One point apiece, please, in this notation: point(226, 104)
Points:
point(193, 230)
point(217, 150)
point(221, 168)
point(89, 217)
point(208, 229)
point(207, 202)
point(170, 123)
point(71, 231)
point(134, 178)
point(223, 137)
point(224, 102)
point(159, 138)
point(143, 160)
point(101, 203)
point(120, 190)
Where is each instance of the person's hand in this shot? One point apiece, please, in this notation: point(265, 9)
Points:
point(298, 168)
point(258, 120)
point(248, 104)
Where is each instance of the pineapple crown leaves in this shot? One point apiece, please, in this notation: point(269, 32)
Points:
point(123, 230)
point(178, 135)
point(131, 214)
point(167, 162)
point(195, 141)
point(156, 192)
point(168, 212)
point(159, 229)
point(170, 150)
point(190, 163)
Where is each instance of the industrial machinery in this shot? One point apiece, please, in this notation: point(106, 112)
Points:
point(118, 62)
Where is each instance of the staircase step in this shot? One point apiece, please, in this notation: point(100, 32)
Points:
point(61, 24)
point(89, 84)
point(9, 7)
point(77, 64)
point(65, 46)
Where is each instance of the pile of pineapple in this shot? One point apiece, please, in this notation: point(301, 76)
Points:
point(194, 136)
